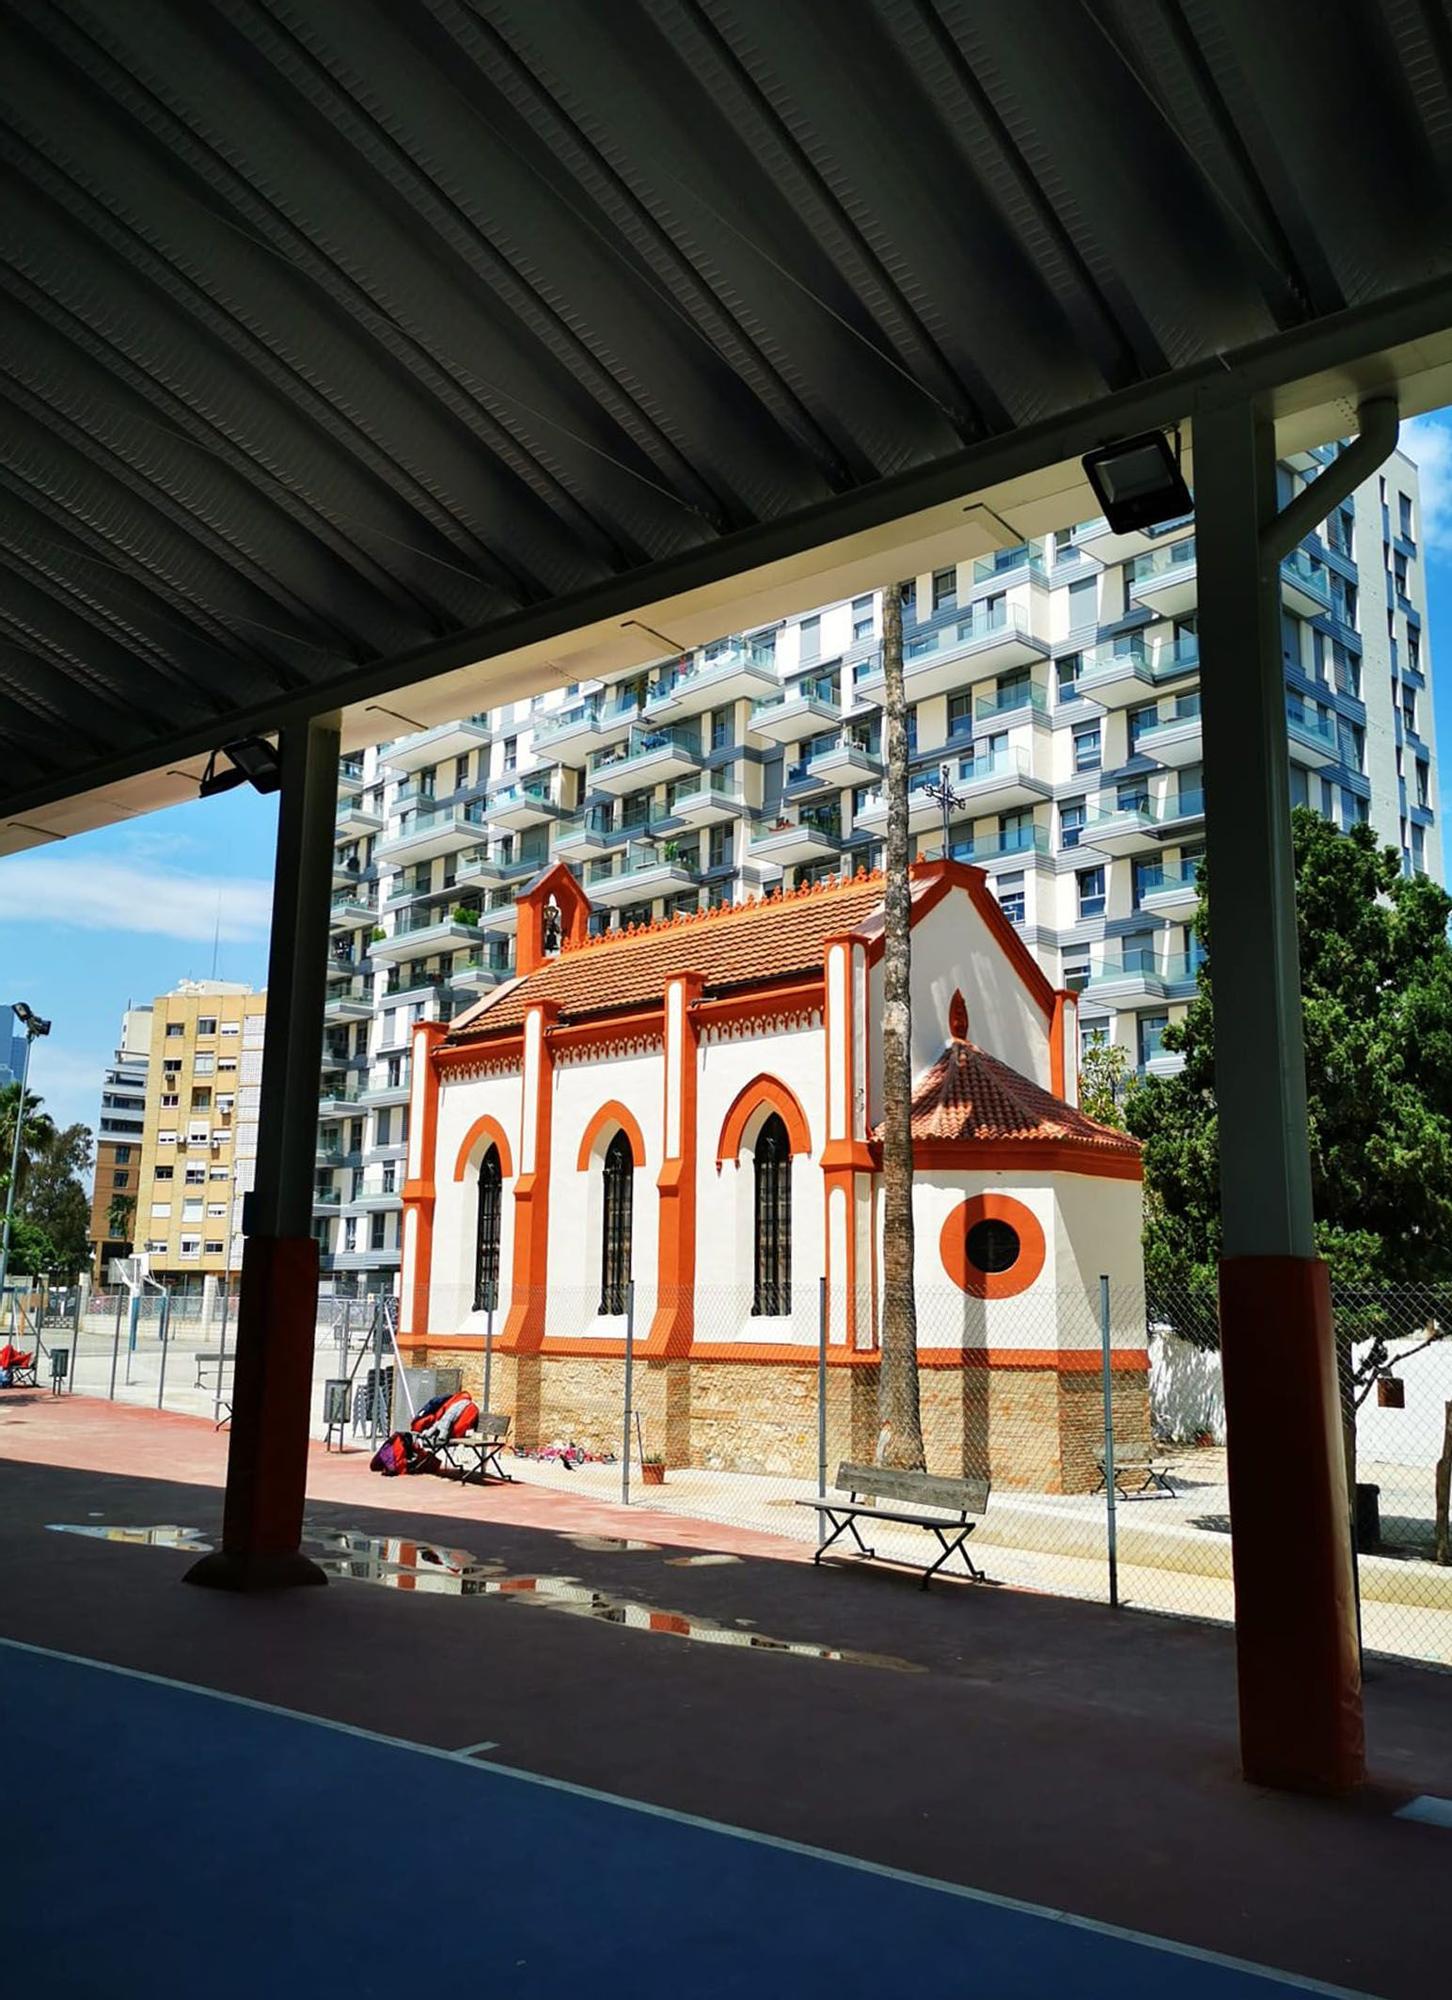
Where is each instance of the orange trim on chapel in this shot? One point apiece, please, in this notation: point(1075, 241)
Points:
point(761, 1090)
point(524, 1328)
point(613, 1113)
point(418, 1195)
point(674, 1325)
point(485, 1128)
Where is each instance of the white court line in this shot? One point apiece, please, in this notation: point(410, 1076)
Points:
point(1293, 1980)
point(473, 1749)
point(1429, 1809)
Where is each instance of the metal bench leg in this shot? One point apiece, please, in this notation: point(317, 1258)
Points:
point(852, 1524)
point(838, 1528)
point(954, 1547)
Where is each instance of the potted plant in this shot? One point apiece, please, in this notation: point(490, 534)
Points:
point(379, 933)
point(462, 914)
point(652, 1468)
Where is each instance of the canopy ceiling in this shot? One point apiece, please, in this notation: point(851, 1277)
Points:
point(346, 343)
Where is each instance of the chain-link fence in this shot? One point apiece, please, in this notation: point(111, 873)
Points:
point(713, 1409)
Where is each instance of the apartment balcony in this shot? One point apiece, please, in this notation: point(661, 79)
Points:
point(710, 803)
point(845, 763)
point(387, 1259)
point(803, 783)
point(1164, 1062)
point(1023, 844)
point(1023, 702)
point(326, 1201)
point(805, 708)
point(375, 1095)
point(1310, 738)
point(529, 802)
point(402, 985)
point(1121, 829)
point(353, 1002)
point(643, 871)
point(424, 936)
point(648, 757)
point(1182, 812)
point(347, 874)
point(482, 870)
point(475, 974)
point(980, 643)
point(589, 723)
point(1135, 978)
point(424, 835)
point(1175, 743)
point(785, 842)
point(587, 833)
point(500, 911)
point(340, 1101)
point(346, 912)
point(353, 821)
point(328, 1153)
point(343, 965)
point(1096, 538)
point(1164, 580)
point(350, 774)
point(1125, 671)
point(1173, 894)
point(436, 746)
point(736, 671)
point(374, 1201)
point(1025, 563)
point(1305, 586)
point(923, 812)
point(998, 783)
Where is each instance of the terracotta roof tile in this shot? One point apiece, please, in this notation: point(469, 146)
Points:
point(740, 944)
point(969, 1094)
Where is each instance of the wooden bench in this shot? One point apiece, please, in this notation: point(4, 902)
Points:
point(207, 1356)
point(484, 1444)
point(912, 1490)
point(1143, 1469)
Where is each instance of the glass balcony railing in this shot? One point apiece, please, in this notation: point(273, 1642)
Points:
point(726, 658)
point(426, 920)
point(993, 764)
point(981, 623)
point(1000, 846)
point(525, 791)
point(1176, 968)
point(812, 687)
point(644, 743)
point(1315, 727)
point(1004, 561)
point(645, 858)
point(1303, 569)
point(1174, 559)
point(1023, 694)
point(409, 825)
point(1166, 882)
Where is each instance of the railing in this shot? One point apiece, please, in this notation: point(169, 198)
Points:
point(811, 687)
point(1000, 846)
point(410, 824)
point(1319, 728)
point(643, 859)
point(1144, 962)
point(1003, 562)
point(995, 764)
point(734, 654)
point(352, 989)
point(1311, 575)
point(1026, 695)
point(1187, 803)
point(1158, 881)
point(411, 982)
point(981, 623)
point(643, 743)
point(534, 790)
point(409, 926)
point(1156, 563)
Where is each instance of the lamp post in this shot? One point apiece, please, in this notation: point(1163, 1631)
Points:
point(943, 796)
point(33, 1026)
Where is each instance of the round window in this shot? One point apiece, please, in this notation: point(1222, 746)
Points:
point(993, 1246)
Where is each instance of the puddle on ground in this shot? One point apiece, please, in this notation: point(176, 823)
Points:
point(606, 1543)
point(400, 1563)
point(699, 1562)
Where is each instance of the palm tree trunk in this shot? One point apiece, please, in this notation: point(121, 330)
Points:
point(900, 1432)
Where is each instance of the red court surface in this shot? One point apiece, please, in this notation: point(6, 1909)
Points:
point(1025, 1747)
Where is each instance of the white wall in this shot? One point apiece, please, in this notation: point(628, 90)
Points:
point(451, 1287)
point(577, 1198)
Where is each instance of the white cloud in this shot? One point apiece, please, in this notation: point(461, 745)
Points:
point(68, 1081)
point(1428, 442)
point(96, 895)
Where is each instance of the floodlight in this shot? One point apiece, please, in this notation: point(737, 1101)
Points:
point(29, 1019)
point(254, 762)
point(1138, 482)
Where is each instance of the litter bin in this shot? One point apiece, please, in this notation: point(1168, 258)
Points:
point(60, 1364)
point(1368, 1516)
point(335, 1410)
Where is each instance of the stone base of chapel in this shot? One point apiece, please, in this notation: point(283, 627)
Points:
point(1030, 1428)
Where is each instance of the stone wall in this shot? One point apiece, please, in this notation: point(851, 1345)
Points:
point(1031, 1429)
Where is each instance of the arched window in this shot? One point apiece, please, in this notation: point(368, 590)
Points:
point(772, 1289)
point(619, 1171)
point(486, 1259)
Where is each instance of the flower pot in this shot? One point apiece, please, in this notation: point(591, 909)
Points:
point(653, 1475)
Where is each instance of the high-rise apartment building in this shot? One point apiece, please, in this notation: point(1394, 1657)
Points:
point(1054, 686)
point(12, 1057)
point(199, 1139)
point(119, 1132)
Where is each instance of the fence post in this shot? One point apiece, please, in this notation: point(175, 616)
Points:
point(77, 1301)
point(116, 1341)
point(221, 1349)
point(629, 1392)
point(376, 1397)
point(1111, 1524)
point(164, 1328)
point(488, 1358)
point(821, 1402)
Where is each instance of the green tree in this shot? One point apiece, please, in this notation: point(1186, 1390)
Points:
point(1376, 989)
point(36, 1134)
point(54, 1198)
point(119, 1217)
point(1106, 1081)
point(32, 1254)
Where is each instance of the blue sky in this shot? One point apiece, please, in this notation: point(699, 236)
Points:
point(90, 924)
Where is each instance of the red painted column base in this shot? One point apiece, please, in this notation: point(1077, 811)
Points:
point(1298, 1659)
point(267, 1460)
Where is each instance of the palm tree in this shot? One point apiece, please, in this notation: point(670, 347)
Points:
point(119, 1217)
point(36, 1134)
point(900, 1437)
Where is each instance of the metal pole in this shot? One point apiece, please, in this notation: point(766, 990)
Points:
point(164, 1328)
point(14, 1164)
point(1111, 1523)
point(488, 1359)
point(821, 1401)
point(116, 1346)
point(75, 1342)
point(221, 1344)
point(376, 1398)
point(629, 1390)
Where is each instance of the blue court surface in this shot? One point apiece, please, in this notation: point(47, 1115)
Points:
point(167, 1840)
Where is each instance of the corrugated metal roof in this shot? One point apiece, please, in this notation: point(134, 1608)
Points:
point(335, 335)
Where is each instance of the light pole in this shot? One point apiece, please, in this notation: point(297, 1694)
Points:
point(943, 795)
point(33, 1026)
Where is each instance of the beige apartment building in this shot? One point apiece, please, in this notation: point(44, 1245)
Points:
point(199, 1140)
